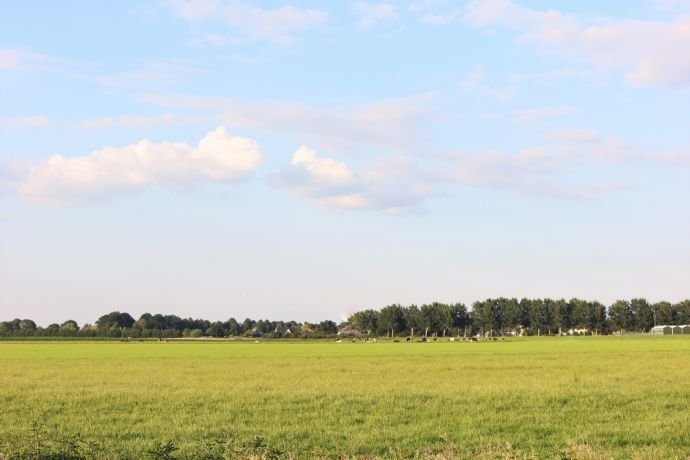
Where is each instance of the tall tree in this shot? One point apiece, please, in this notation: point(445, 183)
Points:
point(391, 320)
point(115, 319)
point(411, 317)
point(327, 327)
point(621, 315)
point(582, 314)
point(600, 318)
point(682, 310)
point(512, 313)
point(561, 315)
point(233, 327)
point(664, 313)
point(460, 317)
point(365, 320)
point(643, 314)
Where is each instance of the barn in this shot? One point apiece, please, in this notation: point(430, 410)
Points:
point(665, 330)
point(671, 330)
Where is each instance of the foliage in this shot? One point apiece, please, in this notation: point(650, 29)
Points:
point(498, 316)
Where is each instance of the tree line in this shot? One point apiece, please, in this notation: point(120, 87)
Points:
point(499, 316)
point(502, 316)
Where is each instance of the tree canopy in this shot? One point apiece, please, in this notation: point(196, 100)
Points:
point(494, 316)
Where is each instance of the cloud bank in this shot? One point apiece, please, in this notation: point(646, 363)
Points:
point(650, 53)
point(218, 157)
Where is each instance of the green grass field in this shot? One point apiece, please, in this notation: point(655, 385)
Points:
point(588, 397)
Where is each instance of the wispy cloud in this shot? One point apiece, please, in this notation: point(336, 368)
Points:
point(371, 14)
point(646, 51)
point(150, 71)
point(542, 113)
point(398, 125)
point(142, 121)
point(672, 5)
point(434, 12)
point(278, 25)
point(568, 165)
point(23, 59)
point(141, 73)
point(32, 121)
point(217, 40)
point(473, 79)
point(218, 157)
point(10, 59)
point(475, 83)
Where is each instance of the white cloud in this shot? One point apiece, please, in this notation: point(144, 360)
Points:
point(218, 157)
point(278, 25)
point(322, 170)
point(23, 122)
point(646, 51)
point(371, 14)
point(398, 125)
point(540, 113)
point(390, 184)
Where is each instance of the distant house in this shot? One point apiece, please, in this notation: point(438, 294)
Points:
point(349, 330)
point(281, 329)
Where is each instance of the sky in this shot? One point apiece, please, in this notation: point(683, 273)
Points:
point(305, 159)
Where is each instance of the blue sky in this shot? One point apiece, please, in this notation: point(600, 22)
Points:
point(302, 160)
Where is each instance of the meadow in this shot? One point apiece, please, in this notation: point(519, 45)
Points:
point(557, 397)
